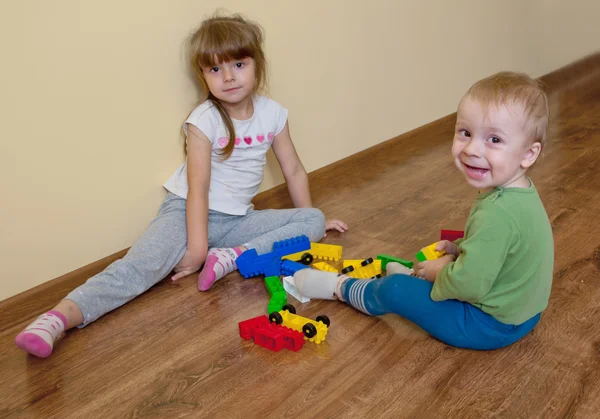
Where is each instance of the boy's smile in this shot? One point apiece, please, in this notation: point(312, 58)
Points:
point(491, 147)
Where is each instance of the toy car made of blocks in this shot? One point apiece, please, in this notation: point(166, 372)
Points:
point(320, 251)
point(313, 331)
point(363, 269)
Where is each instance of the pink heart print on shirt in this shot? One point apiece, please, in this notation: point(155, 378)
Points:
point(248, 140)
point(238, 141)
point(271, 136)
point(260, 138)
point(223, 141)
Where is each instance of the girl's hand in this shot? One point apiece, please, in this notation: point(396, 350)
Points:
point(448, 246)
point(190, 263)
point(335, 225)
point(429, 269)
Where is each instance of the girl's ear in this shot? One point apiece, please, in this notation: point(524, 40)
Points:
point(531, 155)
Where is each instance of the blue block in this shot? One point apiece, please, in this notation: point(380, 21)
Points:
point(289, 267)
point(272, 266)
point(248, 263)
point(289, 246)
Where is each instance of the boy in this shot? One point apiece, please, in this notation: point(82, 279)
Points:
point(490, 288)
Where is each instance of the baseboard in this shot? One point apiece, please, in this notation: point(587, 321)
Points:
point(21, 307)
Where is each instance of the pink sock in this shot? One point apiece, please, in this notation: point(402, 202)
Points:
point(38, 338)
point(219, 262)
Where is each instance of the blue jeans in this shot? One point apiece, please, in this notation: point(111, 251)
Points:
point(453, 322)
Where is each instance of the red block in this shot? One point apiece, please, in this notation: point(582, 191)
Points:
point(248, 327)
point(293, 339)
point(271, 336)
point(451, 235)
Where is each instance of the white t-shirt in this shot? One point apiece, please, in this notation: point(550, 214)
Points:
point(234, 182)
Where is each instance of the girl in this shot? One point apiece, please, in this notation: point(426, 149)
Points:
point(207, 216)
point(489, 289)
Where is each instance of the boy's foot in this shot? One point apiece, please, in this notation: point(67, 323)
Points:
point(38, 338)
point(219, 262)
point(397, 268)
point(313, 283)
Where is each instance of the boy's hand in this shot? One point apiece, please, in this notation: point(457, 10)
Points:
point(429, 269)
point(190, 263)
point(448, 246)
point(335, 225)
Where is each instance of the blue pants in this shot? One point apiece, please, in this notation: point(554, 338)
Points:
point(453, 322)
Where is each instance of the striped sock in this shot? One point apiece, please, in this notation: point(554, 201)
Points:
point(38, 338)
point(353, 291)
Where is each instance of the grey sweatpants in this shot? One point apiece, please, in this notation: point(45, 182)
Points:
point(154, 255)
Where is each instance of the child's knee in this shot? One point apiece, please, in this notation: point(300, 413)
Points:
point(316, 220)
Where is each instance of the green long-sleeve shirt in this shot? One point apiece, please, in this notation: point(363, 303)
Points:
point(506, 257)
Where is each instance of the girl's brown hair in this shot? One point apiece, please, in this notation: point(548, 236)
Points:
point(225, 38)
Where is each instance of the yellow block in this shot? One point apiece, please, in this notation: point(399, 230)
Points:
point(319, 251)
point(324, 266)
point(363, 272)
point(431, 254)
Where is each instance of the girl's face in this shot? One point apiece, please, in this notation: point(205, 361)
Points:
point(233, 81)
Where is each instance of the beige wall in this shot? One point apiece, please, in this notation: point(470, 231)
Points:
point(565, 31)
point(92, 96)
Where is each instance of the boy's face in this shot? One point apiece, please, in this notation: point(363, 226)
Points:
point(492, 148)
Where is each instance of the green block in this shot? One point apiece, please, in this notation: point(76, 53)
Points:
point(385, 259)
point(420, 257)
point(278, 300)
point(273, 285)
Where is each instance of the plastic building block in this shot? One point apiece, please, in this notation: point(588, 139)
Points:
point(289, 267)
point(291, 246)
point(324, 266)
point(326, 251)
point(275, 337)
point(268, 339)
point(451, 235)
point(273, 285)
point(320, 251)
point(250, 263)
point(385, 259)
point(292, 339)
point(429, 253)
point(272, 267)
point(363, 269)
point(271, 336)
point(247, 327)
point(313, 331)
point(304, 257)
point(277, 293)
point(277, 302)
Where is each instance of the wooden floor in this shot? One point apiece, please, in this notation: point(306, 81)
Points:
point(176, 352)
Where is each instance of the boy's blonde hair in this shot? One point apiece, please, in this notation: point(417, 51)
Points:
point(507, 87)
point(225, 38)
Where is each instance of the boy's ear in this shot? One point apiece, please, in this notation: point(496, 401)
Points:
point(531, 155)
